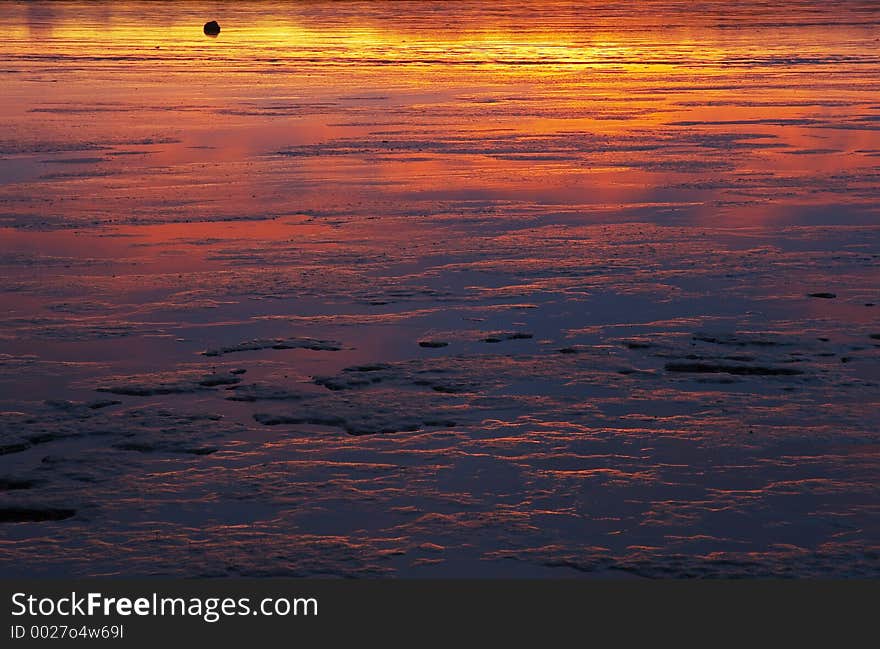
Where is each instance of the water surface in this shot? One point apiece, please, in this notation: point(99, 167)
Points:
point(518, 288)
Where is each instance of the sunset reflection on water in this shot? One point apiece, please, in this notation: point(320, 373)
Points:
point(517, 288)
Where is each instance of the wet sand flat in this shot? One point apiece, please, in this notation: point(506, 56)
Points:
point(440, 289)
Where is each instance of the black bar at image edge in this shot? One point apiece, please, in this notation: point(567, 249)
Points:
point(276, 612)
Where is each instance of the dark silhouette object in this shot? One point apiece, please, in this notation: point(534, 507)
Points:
point(212, 28)
point(34, 515)
point(720, 368)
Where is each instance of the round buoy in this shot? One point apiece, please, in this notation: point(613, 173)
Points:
point(212, 28)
